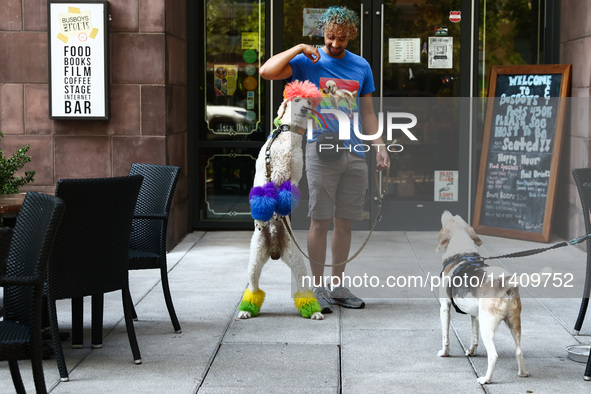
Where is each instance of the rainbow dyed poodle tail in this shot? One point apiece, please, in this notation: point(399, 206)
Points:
point(306, 303)
point(263, 200)
point(288, 198)
point(252, 302)
point(267, 199)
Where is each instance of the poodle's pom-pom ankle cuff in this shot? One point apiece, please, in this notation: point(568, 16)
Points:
point(306, 303)
point(288, 198)
point(262, 201)
point(252, 302)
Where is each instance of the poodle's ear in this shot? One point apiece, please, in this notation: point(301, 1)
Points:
point(282, 108)
point(444, 237)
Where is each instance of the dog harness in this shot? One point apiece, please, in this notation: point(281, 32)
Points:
point(269, 199)
point(465, 262)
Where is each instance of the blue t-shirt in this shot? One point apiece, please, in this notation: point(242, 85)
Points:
point(341, 81)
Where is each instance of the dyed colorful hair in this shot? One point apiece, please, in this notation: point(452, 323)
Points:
point(341, 20)
point(304, 89)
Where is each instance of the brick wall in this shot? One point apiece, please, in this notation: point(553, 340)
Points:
point(148, 98)
point(575, 49)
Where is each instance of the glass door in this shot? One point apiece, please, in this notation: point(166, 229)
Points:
point(422, 66)
point(428, 57)
point(232, 109)
point(295, 23)
point(415, 51)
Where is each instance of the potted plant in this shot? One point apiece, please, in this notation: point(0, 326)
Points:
point(9, 182)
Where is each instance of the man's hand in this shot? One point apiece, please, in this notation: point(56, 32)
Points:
point(311, 52)
point(370, 122)
point(382, 159)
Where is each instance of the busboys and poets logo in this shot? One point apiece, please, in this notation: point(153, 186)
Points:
point(76, 23)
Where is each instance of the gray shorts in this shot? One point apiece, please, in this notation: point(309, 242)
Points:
point(337, 188)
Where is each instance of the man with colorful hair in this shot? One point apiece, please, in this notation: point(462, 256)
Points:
point(338, 189)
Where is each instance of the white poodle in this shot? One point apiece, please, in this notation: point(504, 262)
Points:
point(278, 171)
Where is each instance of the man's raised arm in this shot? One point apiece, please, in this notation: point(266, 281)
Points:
point(277, 67)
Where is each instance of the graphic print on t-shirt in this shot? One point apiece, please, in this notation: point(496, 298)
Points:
point(339, 93)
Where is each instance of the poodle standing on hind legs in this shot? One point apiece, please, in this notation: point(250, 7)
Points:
point(277, 173)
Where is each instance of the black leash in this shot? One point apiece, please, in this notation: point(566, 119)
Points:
point(377, 219)
point(286, 223)
point(477, 260)
point(531, 252)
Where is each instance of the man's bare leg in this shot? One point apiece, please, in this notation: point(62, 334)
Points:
point(317, 253)
point(340, 246)
point(317, 248)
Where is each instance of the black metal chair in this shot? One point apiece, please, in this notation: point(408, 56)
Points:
point(22, 278)
point(90, 255)
point(148, 237)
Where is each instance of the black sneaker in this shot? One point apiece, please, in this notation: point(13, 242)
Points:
point(324, 300)
point(342, 296)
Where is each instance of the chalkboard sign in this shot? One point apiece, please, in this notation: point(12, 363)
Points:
point(521, 151)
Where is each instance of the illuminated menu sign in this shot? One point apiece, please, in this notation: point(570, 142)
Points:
point(78, 60)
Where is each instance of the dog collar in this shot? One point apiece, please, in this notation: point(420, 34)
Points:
point(469, 258)
point(281, 128)
point(475, 261)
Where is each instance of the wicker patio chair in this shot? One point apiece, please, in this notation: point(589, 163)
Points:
point(22, 274)
point(587, 194)
point(148, 237)
point(583, 176)
point(90, 255)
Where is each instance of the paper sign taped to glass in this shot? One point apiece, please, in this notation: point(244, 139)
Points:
point(225, 76)
point(440, 52)
point(311, 16)
point(445, 185)
point(404, 50)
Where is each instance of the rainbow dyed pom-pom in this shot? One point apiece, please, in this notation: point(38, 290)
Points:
point(288, 198)
point(252, 302)
point(306, 303)
point(263, 200)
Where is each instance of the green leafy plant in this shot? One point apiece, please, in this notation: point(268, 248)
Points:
point(9, 182)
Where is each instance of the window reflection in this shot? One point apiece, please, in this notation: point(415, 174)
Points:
point(227, 176)
point(234, 49)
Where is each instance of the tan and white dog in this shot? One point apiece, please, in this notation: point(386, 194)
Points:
point(278, 170)
point(477, 289)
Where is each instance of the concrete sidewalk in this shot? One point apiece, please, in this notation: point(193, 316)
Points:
point(390, 346)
